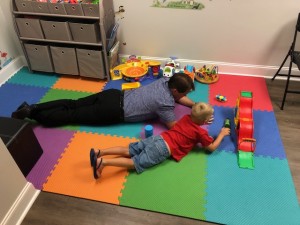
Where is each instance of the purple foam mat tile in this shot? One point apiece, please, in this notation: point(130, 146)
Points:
point(181, 110)
point(53, 142)
point(159, 127)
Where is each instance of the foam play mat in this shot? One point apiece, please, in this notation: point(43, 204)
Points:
point(202, 186)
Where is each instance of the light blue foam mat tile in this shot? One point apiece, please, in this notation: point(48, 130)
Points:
point(263, 196)
point(220, 114)
point(38, 79)
point(266, 132)
point(200, 94)
point(132, 130)
point(12, 95)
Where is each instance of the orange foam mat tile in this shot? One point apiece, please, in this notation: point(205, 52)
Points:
point(79, 84)
point(73, 174)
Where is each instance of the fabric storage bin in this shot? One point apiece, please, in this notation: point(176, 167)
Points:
point(57, 8)
point(90, 10)
point(24, 5)
point(74, 9)
point(39, 57)
point(55, 30)
point(64, 60)
point(90, 63)
point(29, 28)
point(40, 7)
point(83, 32)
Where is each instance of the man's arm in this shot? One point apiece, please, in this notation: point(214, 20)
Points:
point(170, 124)
point(186, 101)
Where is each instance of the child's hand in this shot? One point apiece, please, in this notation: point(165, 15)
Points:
point(225, 131)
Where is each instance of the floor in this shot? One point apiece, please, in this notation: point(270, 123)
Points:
point(57, 209)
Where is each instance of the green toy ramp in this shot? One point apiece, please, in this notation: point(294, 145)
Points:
point(245, 160)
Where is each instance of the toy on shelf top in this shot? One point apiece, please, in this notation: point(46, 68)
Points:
point(207, 75)
point(135, 69)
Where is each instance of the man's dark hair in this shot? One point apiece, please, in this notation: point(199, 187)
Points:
point(181, 82)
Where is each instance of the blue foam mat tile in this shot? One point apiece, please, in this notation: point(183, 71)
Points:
point(132, 130)
point(114, 84)
point(38, 79)
point(266, 133)
point(263, 196)
point(220, 114)
point(12, 95)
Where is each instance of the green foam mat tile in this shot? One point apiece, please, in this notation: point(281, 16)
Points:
point(171, 187)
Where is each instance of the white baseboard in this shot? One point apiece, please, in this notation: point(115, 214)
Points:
point(21, 206)
point(228, 68)
point(9, 70)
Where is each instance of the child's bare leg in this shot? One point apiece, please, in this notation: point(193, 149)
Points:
point(119, 150)
point(118, 162)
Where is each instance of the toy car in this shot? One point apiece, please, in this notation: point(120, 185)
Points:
point(221, 98)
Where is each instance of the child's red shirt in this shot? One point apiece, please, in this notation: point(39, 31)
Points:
point(184, 136)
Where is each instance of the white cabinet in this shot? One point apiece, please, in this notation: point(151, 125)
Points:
point(66, 38)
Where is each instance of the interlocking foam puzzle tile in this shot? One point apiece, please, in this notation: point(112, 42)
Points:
point(124, 129)
point(159, 127)
point(73, 175)
point(54, 94)
point(13, 95)
point(79, 84)
point(114, 84)
point(37, 79)
point(170, 187)
point(53, 142)
point(265, 195)
point(201, 92)
point(266, 133)
point(230, 86)
point(220, 114)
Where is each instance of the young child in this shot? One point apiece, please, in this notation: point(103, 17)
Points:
point(176, 142)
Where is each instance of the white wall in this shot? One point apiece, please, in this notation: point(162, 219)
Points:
point(16, 193)
point(9, 41)
point(228, 32)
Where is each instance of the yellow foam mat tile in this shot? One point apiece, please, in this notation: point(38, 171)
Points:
point(79, 84)
point(73, 174)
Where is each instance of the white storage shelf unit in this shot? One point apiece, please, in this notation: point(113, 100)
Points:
point(65, 38)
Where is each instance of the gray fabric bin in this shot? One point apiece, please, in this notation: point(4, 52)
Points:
point(24, 5)
point(90, 63)
point(64, 60)
point(74, 9)
point(39, 57)
point(29, 28)
point(40, 7)
point(90, 10)
point(55, 30)
point(57, 8)
point(82, 32)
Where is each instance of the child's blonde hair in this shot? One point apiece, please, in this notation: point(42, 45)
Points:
point(202, 112)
